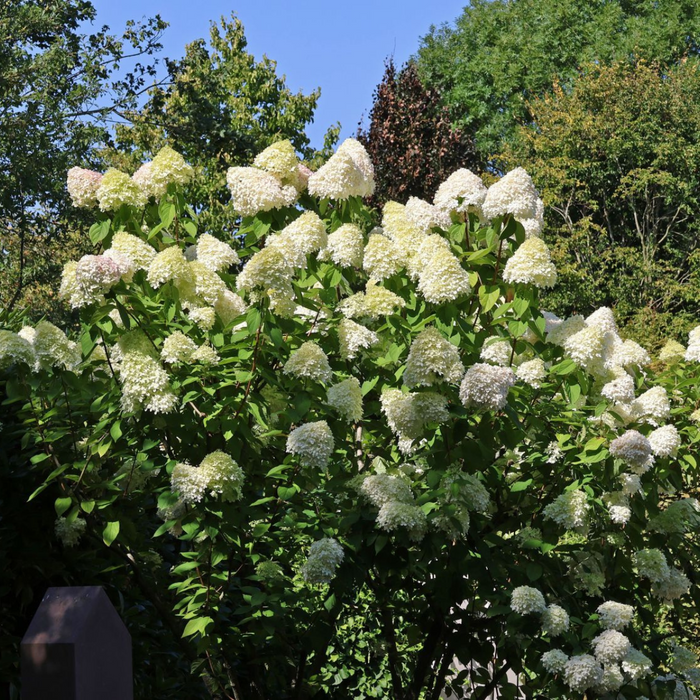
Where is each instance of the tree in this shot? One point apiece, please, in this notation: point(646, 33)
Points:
point(365, 456)
point(500, 55)
point(411, 138)
point(617, 158)
point(59, 86)
point(219, 107)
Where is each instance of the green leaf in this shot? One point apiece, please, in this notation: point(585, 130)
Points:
point(99, 231)
point(110, 532)
point(62, 505)
point(166, 212)
point(488, 296)
point(197, 625)
point(520, 485)
point(116, 430)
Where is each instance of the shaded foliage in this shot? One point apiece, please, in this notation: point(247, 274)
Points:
point(411, 139)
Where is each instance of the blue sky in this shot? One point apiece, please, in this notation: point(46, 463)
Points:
point(337, 46)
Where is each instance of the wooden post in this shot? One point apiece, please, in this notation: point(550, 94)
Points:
point(76, 648)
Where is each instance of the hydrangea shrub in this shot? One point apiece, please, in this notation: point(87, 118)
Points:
point(371, 464)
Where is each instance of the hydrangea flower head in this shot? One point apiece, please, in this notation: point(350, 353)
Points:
point(117, 189)
point(353, 337)
point(568, 509)
point(324, 557)
point(513, 194)
point(432, 358)
point(531, 264)
point(345, 246)
point(486, 387)
point(309, 362)
point(346, 398)
point(348, 173)
point(313, 443)
point(254, 191)
point(82, 187)
point(462, 192)
point(526, 600)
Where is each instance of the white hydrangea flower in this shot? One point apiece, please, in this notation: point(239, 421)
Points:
point(309, 362)
point(346, 398)
point(206, 355)
point(587, 348)
point(633, 449)
point(348, 173)
point(203, 316)
point(421, 251)
point(531, 264)
point(672, 352)
point(513, 194)
point(374, 302)
point(532, 372)
point(629, 354)
point(665, 441)
point(554, 661)
point(384, 488)
point(533, 225)
point(254, 191)
point(381, 258)
point(139, 252)
point(267, 269)
point(177, 348)
point(620, 390)
point(145, 384)
point(345, 246)
point(443, 279)
point(636, 665)
point(652, 406)
point(215, 254)
point(324, 557)
point(615, 616)
point(224, 476)
point(170, 264)
point(631, 484)
point(682, 659)
point(568, 509)
point(189, 482)
point(15, 349)
point(52, 348)
point(652, 564)
point(674, 586)
point(559, 331)
point(619, 514)
point(555, 620)
point(604, 319)
point(679, 517)
point(394, 515)
point(397, 225)
point(82, 187)
point(463, 192)
point(583, 672)
point(613, 679)
point(70, 532)
point(692, 353)
point(168, 167)
point(554, 452)
point(229, 306)
point(308, 232)
point(497, 351)
point(425, 216)
point(279, 159)
point(408, 414)
point(431, 358)
point(611, 646)
point(352, 337)
point(486, 387)
point(117, 189)
point(526, 600)
point(313, 443)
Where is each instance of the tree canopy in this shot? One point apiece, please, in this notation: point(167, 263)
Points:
point(617, 158)
point(501, 54)
point(411, 138)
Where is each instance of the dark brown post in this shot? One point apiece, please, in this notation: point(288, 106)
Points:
point(76, 648)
